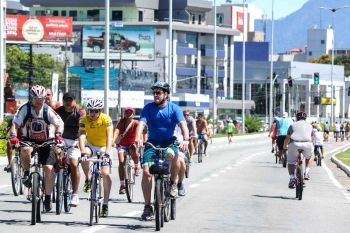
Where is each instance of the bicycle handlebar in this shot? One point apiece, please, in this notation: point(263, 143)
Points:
point(36, 145)
point(159, 148)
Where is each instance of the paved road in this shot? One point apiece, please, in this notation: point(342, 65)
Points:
point(238, 188)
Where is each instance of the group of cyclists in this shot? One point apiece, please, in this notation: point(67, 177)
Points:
point(87, 134)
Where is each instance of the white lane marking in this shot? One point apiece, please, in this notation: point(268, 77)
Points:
point(193, 185)
point(205, 179)
point(94, 229)
point(331, 176)
point(133, 213)
point(214, 175)
point(5, 186)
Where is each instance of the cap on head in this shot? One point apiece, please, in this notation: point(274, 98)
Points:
point(285, 114)
point(68, 95)
point(129, 109)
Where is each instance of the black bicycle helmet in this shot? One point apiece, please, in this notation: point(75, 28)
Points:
point(301, 116)
point(163, 85)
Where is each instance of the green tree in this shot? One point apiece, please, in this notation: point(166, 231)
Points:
point(338, 60)
point(252, 123)
point(17, 63)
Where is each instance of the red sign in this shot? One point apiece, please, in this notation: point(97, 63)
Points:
point(240, 23)
point(38, 28)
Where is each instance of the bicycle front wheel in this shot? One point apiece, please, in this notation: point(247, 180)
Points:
point(59, 191)
point(68, 192)
point(35, 198)
point(129, 182)
point(16, 176)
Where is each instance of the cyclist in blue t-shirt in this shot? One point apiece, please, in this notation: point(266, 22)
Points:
point(161, 117)
point(282, 130)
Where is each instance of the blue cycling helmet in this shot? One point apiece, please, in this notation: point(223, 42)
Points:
point(163, 85)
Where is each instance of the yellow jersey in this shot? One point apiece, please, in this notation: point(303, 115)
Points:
point(96, 131)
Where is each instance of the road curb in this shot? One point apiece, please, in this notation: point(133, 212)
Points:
point(340, 164)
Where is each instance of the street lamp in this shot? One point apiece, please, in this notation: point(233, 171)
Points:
point(214, 68)
point(106, 45)
point(2, 55)
point(271, 66)
point(243, 70)
point(170, 60)
point(333, 10)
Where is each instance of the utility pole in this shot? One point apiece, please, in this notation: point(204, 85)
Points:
point(2, 55)
point(119, 112)
point(30, 71)
point(214, 68)
point(106, 45)
point(66, 61)
point(170, 59)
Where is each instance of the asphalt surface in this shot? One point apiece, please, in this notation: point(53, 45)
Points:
point(238, 188)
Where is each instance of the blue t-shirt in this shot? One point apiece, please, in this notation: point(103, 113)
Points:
point(283, 126)
point(161, 121)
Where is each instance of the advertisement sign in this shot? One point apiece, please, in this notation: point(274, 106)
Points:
point(327, 101)
point(240, 23)
point(38, 28)
point(135, 43)
point(133, 99)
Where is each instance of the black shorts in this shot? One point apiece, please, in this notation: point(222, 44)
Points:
point(46, 155)
point(326, 131)
point(280, 141)
point(321, 147)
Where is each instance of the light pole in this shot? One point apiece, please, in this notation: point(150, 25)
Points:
point(271, 66)
point(214, 67)
point(2, 55)
point(170, 60)
point(106, 44)
point(333, 10)
point(243, 70)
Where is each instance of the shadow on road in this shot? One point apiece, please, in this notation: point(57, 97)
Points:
point(274, 197)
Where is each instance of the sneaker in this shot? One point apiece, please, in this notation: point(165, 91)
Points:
point(307, 176)
point(292, 183)
point(273, 150)
point(173, 190)
point(147, 214)
point(87, 186)
point(122, 189)
point(7, 168)
point(26, 181)
point(182, 190)
point(75, 200)
point(47, 203)
point(137, 171)
point(104, 211)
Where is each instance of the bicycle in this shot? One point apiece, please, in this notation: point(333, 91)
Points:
point(200, 147)
point(164, 204)
point(17, 174)
point(129, 176)
point(64, 187)
point(299, 176)
point(37, 179)
point(96, 189)
point(318, 158)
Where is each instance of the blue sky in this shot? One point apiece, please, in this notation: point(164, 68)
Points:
point(282, 7)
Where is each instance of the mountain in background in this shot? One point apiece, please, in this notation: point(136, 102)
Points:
point(291, 31)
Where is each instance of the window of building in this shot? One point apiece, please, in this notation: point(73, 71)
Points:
point(140, 16)
point(93, 15)
point(237, 91)
point(40, 13)
point(322, 41)
point(55, 13)
point(73, 14)
point(193, 19)
point(310, 53)
point(63, 13)
point(117, 15)
point(220, 18)
point(199, 19)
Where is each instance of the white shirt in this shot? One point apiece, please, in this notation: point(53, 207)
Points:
point(178, 134)
point(318, 138)
point(337, 127)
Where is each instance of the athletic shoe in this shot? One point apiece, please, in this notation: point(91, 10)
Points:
point(104, 211)
point(147, 214)
point(122, 189)
point(307, 176)
point(47, 203)
point(75, 200)
point(292, 183)
point(7, 168)
point(182, 190)
point(173, 190)
point(87, 186)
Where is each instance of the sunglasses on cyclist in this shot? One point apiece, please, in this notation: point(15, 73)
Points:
point(94, 111)
point(157, 92)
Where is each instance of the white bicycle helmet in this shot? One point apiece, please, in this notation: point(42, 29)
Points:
point(95, 104)
point(38, 91)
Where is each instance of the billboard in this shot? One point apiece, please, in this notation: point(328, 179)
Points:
point(239, 24)
point(38, 28)
point(135, 42)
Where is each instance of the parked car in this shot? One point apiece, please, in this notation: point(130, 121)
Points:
point(116, 42)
